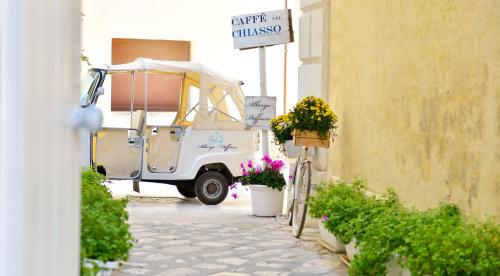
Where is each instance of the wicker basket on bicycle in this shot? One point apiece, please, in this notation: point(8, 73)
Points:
point(309, 138)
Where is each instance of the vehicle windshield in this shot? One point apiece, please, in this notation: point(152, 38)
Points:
point(88, 86)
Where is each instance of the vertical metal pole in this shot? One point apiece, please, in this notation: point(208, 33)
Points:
point(263, 92)
point(145, 97)
point(132, 98)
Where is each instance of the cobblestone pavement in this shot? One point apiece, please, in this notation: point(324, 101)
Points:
point(177, 236)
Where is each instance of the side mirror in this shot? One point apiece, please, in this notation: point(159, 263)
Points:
point(100, 91)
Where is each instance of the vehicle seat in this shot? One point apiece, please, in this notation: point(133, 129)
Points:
point(138, 118)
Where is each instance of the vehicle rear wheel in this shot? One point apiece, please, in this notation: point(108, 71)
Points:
point(186, 190)
point(211, 188)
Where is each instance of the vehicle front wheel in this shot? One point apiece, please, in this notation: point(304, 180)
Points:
point(211, 188)
point(186, 190)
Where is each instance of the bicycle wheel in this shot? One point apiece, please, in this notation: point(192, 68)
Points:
point(303, 187)
point(291, 192)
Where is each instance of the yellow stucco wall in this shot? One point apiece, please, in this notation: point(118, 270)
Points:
point(416, 85)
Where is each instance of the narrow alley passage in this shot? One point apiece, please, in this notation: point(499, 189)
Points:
point(177, 236)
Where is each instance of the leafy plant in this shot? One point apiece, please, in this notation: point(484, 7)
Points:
point(105, 233)
point(281, 126)
point(84, 58)
point(338, 204)
point(386, 237)
point(437, 241)
point(313, 114)
point(446, 245)
point(268, 175)
point(371, 209)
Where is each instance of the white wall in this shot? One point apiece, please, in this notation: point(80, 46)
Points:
point(39, 170)
point(205, 23)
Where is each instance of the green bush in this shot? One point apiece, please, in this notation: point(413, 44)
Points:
point(387, 236)
point(346, 210)
point(438, 241)
point(338, 204)
point(444, 245)
point(105, 233)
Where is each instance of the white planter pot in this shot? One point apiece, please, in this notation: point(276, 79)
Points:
point(266, 202)
point(394, 269)
point(330, 239)
point(291, 150)
point(351, 249)
point(104, 268)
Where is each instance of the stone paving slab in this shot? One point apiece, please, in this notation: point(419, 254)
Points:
point(176, 236)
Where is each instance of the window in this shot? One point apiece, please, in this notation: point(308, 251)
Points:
point(88, 86)
point(163, 90)
point(193, 103)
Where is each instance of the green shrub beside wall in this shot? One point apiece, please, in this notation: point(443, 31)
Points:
point(105, 233)
point(434, 242)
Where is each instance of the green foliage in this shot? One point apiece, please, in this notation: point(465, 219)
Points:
point(105, 233)
point(84, 58)
point(282, 130)
point(434, 242)
point(445, 245)
point(268, 175)
point(387, 236)
point(340, 203)
point(313, 114)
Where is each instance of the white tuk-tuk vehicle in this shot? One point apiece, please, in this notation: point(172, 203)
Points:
point(200, 152)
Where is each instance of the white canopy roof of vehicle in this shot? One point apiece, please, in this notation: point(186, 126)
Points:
point(213, 86)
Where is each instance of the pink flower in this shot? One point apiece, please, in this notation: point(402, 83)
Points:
point(242, 166)
point(267, 159)
point(234, 195)
point(245, 173)
point(324, 218)
point(277, 165)
point(250, 164)
point(233, 186)
point(257, 171)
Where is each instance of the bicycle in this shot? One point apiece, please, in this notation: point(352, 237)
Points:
point(298, 191)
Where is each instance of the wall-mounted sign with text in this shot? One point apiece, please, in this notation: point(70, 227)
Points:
point(262, 29)
point(259, 111)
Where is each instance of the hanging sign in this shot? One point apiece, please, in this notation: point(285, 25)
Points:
point(259, 111)
point(262, 29)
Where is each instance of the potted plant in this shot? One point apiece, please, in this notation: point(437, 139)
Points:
point(347, 211)
point(266, 186)
point(105, 236)
point(312, 119)
point(319, 208)
point(281, 126)
point(442, 242)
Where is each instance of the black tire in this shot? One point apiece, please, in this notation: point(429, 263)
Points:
point(211, 188)
point(187, 190)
